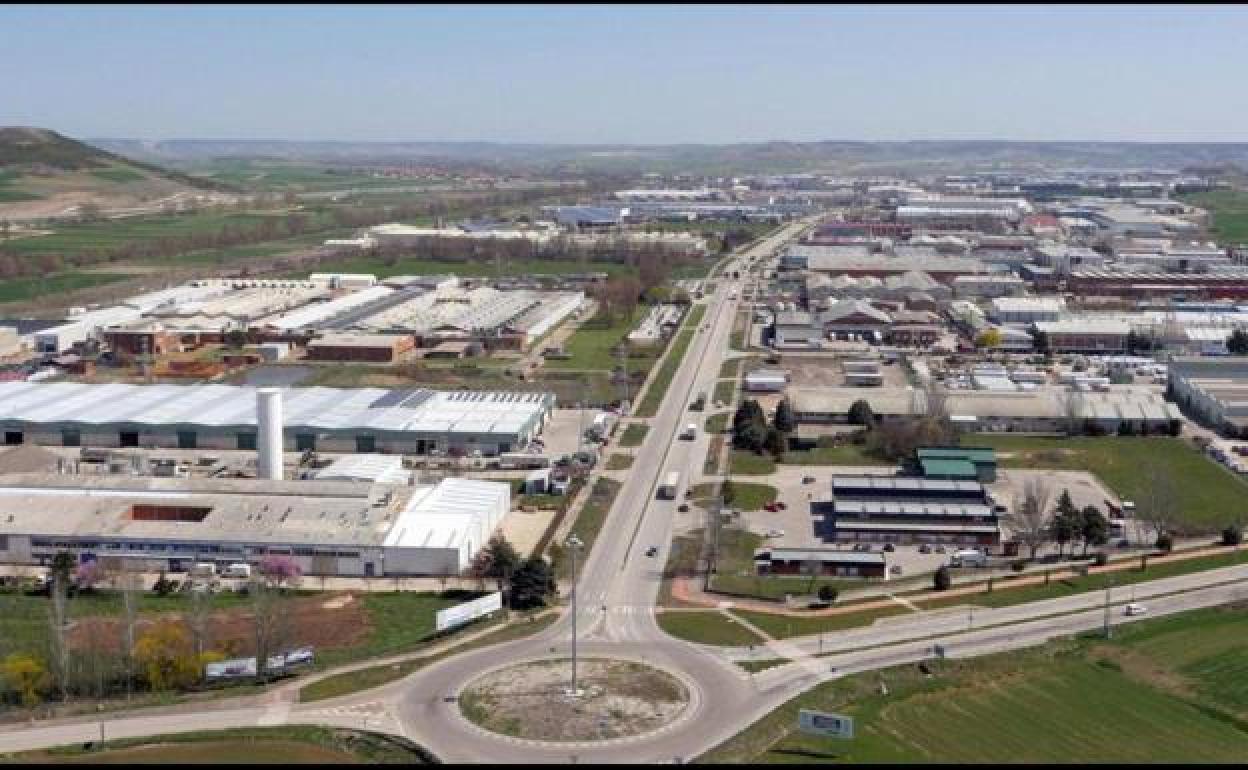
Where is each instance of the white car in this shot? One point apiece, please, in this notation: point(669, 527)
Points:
point(1134, 609)
point(775, 533)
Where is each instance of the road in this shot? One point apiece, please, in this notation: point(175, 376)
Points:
point(616, 594)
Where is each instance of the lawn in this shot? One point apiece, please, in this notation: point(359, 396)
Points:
point(22, 289)
point(619, 462)
point(1229, 212)
point(718, 423)
point(1209, 496)
point(724, 390)
point(785, 626)
point(588, 524)
point(121, 175)
point(754, 666)
point(707, 627)
point(846, 454)
point(591, 345)
point(730, 369)
point(662, 380)
point(399, 620)
point(252, 745)
point(1149, 696)
point(634, 434)
point(748, 496)
point(745, 463)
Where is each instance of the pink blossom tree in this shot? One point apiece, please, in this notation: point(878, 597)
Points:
point(279, 569)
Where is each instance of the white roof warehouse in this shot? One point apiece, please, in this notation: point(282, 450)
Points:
point(224, 417)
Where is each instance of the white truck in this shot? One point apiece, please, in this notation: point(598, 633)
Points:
point(667, 490)
point(690, 432)
point(237, 570)
point(204, 569)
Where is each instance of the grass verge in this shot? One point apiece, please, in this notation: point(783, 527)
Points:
point(634, 434)
point(707, 627)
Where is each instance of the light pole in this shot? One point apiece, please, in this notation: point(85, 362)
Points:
point(575, 544)
point(1109, 583)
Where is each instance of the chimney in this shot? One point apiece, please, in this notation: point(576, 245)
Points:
point(269, 434)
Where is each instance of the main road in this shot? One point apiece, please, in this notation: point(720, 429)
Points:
point(616, 595)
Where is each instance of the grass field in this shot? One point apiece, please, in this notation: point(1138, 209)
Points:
point(723, 391)
point(718, 423)
point(1209, 496)
point(591, 345)
point(588, 524)
point(411, 266)
point(745, 463)
point(730, 370)
point(662, 380)
point(783, 626)
point(634, 434)
point(619, 462)
point(259, 745)
point(120, 175)
point(748, 496)
point(1159, 692)
point(848, 454)
point(1229, 212)
point(707, 627)
point(21, 289)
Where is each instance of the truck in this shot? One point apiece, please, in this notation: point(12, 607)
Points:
point(667, 490)
point(237, 570)
point(204, 569)
point(690, 432)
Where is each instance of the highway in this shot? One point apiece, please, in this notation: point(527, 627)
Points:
point(616, 594)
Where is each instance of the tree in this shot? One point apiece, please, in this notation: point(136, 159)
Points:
point(1237, 343)
point(1066, 521)
point(279, 569)
point(87, 575)
point(827, 593)
point(728, 492)
point(1165, 542)
point(989, 338)
point(497, 560)
point(26, 675)
point(1232, 535)
point(860, 413)
point(236, 338)
point(942, 580)
point(167, 658)
point(1094, 527)
point(531, 584)
point(749, 426)
point(1158, 502)
point(1029, 519)
point(785, 422)
point(774, 443)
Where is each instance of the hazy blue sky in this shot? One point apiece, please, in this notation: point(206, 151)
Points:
point(627, 74)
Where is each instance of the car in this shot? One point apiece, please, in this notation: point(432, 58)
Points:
point(775, 533)
point(808, 479)
point(925, 548)
point(770, 507)
point(889, 547)
point(939, 549)
point(782, 506)
point(895, 569)
point(683, 507)
point(652, 550)
point(1134, 608)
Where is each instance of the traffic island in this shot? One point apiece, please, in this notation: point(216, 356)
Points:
point(615, 699)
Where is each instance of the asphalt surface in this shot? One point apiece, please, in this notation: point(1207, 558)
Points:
point(616, 594)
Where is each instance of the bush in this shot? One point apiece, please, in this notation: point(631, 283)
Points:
point(1165, 543)
point(1101, 559)
point(1018, 565)
point(827, 593)
point(942, 580)
point(1232, 536)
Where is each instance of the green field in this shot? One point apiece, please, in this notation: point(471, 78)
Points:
point(1209, 497)
point(707, 627)
point(658, 386)
point(784, 626)
point(21, 289)
point(384, 268)
point(591, 346)
point(634, 434)
point(1229, 212)
point(746, 463)
point(847, 454)
point(258, 745)
point(718, 423)
point(619, 462)
point(1166, 690)
point(120, 175)
point(730, 370)
point(724, 390)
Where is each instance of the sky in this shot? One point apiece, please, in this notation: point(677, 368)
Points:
point(604, 74)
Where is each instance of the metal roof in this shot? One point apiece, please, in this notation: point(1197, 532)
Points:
point(878, 508)
point(948, 467)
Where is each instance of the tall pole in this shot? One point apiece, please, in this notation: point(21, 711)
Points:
point(574, 543)
point(1108, 585)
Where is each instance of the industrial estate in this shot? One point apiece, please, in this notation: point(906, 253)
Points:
point(694, 457)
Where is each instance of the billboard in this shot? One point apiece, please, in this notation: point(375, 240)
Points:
point(246, 667)
point(821, 723)
point(463, 613)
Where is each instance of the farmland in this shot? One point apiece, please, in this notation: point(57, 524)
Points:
point(1162, 691)
point(21, 289)
point(1228, 210)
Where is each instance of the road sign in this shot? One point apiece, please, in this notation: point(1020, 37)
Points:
point(822, 723)
point(462, 613)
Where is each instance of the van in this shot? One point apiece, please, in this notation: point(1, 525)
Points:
point(204, 569)
point(239, 570)
point(968, 558)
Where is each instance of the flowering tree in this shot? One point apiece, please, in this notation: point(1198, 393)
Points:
point(279, 569)
point(87, 575)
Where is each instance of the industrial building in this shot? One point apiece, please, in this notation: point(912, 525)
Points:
point(1214, 390)
point(1085, 335)
point(893, 509)
point(820, 561)
point(1026, 310)
point(224, 417)
point(328, 528)
point(381, 348)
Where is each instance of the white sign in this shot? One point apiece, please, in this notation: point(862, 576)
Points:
point(246, 667)
point(462, 613)
point(821, 723)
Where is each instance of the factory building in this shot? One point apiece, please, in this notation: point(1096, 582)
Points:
point(820, 561)
point(331, 528)
point(215, 416)
point(1085, 335)
point(1026, 310)
point(381, 348)
point(892, 509)
point(1213, 390)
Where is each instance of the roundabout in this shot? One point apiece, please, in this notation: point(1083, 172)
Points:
point(614, 699)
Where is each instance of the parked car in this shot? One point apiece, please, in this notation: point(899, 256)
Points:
point(925, 548)
point(895, 569)
point(889, 547)
point(808, 479)
point(782, 506)
point(770, 507)
point(939, 549)
point(683, 507)
point(652, 550)
point(775, 533)
point(1134, 608)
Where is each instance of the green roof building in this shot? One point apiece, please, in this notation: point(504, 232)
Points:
point(978, 463)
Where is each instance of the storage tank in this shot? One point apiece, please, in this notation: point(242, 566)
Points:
point(269, 434)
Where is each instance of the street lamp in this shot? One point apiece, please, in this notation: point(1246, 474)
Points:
point(574, 543)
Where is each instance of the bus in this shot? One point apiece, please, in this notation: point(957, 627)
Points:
point(667, 490)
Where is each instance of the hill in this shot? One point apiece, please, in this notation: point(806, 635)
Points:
point(46, 175)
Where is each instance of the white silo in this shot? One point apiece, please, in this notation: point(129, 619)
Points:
point(269, 433)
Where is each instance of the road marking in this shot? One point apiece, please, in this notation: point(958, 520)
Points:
point(904, 603)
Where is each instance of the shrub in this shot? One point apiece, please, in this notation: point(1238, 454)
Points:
point(1018, 565)
point(942, 580)
point(1232, 536)
point(1101, 559)
point(827, 593)
point(1165, 542)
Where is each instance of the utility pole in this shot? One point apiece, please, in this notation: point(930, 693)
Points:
point(1109, 583)
point(574, 543)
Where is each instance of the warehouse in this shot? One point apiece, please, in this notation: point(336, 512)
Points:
point(820, 561)
point(893, 509)
point(213, 416)
point(328, 527)
point(383, 348)
point(1214, 390)
point(1084, 335)
point(1026, 310)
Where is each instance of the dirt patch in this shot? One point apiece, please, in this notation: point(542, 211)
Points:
point(1143, 668)
point(619, 698)
point(311, 621)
